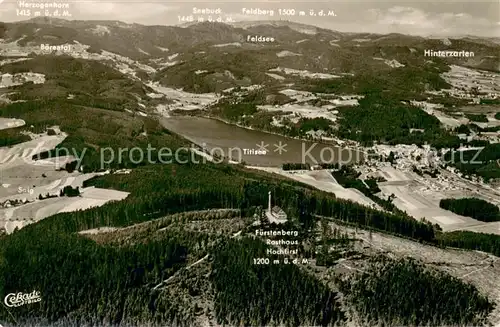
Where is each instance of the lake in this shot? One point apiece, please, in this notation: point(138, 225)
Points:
point(255, 148)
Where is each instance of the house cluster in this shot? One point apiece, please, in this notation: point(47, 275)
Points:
point(492, 137)
point(7, 80)
point(12, 203)
point(472, 84)
point(474, 96)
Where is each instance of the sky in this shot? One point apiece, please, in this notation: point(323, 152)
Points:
point(425, 17)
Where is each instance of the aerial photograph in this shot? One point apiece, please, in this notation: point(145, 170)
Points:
point(266, 163)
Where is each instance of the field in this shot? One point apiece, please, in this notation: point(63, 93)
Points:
point(324, 181)
point(10, 123)
point(420, 207)
point(415, 198)
point(23, 215)
point(183, 100)
point(24, 180)
point(19, 170)
point(465, 79)
point(27, 150)
point(420, 198)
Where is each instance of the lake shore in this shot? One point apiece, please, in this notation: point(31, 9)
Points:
point(323, 140)
point(255, 146)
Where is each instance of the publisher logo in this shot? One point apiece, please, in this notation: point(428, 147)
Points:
point(13, 300)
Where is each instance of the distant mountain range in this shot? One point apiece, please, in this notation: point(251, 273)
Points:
point(472, 38)
point(127, 39)
point(206, 57)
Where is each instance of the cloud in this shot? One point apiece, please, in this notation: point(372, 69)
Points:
point(399, 9)
point(417, 21)
point(237, 17)
point(124, 11)
point(406, 16)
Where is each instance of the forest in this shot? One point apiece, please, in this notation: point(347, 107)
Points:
point(481, 162)
point(250, 294)
point(349, 178)
point(87, 133)
point(385, 120)
point(70, 191)
point(489, 101)
point(479, 129)
point(399, 84)
point(96, 284)
point(91, 82)
point(156, 192)
point(314, 124)
point(472, 207)
point(473, 241)
point(296, 166)
point(480, 118)
point(12, 136)
point(466, 129)
point(405, 293)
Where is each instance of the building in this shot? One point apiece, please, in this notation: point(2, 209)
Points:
point(275, 214)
